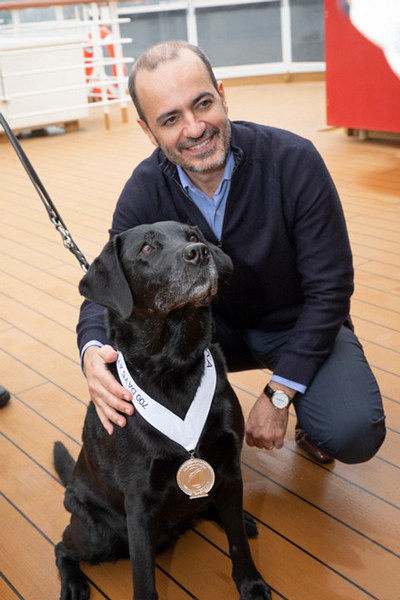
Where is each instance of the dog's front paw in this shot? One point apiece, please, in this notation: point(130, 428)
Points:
point(255, 590)
point(75, 588)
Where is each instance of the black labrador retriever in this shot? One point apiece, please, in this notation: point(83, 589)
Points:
point(178, 457)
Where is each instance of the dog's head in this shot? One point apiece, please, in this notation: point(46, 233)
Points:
point(158, 267)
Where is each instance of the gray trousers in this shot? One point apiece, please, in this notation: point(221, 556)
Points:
point(342, 408)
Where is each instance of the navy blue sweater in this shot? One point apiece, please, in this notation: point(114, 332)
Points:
point(284, 230)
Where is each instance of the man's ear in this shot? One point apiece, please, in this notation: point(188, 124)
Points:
point(221, 92)
point(105, 282)
point(147, 131)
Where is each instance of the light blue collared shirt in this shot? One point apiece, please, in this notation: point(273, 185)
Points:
point(213, 208)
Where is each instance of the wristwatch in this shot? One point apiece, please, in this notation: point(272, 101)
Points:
point(279, 398)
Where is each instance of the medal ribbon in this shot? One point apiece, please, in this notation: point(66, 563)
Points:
point(187, 431)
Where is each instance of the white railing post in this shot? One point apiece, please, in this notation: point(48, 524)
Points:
point(121, 78)
point(192, 23)
point(286, 32)
point(42, 66)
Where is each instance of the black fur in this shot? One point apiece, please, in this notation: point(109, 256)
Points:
point(157, 282)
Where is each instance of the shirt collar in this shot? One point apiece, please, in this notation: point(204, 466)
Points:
point(227, 176)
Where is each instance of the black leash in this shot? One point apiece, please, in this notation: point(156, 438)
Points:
point(53, 213)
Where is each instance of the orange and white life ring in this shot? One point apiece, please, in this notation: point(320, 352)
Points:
point(92, 73)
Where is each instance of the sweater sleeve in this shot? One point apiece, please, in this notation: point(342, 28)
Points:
point(91, 325)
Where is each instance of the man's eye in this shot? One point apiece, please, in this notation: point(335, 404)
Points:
point(169, 121)
point(193, 238)
point(146, 248)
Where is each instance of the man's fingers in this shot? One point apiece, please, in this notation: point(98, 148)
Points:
point(115, 392)
point(249, 440)
point(260, 441)
point(109, 410)
point(112, 415)
point(106, 394)
point(104, 421)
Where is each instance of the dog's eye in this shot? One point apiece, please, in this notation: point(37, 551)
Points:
point(193, 238)
point(146, 248)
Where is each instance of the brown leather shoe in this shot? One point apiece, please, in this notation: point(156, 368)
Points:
point(304, 442)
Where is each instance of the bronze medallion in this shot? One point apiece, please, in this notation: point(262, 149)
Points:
point(195, 478)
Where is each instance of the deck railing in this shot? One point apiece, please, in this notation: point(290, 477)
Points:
point(55, 71)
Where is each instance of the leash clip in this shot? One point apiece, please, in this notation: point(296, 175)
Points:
point(66, 236)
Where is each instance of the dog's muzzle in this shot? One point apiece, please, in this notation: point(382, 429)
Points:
point(194, 279)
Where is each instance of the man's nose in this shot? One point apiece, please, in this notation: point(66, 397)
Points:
point(193, 127)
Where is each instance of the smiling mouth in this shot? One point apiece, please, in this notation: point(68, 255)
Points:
point(204, 144)
point(201, 146)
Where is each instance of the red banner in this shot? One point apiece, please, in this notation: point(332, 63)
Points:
point(362, 76)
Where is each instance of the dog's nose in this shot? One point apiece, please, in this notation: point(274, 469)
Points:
point(196, 253)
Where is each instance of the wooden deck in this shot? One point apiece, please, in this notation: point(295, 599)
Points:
point(326, 533)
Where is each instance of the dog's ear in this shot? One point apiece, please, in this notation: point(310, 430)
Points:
point(223, 262)
point(105, 282)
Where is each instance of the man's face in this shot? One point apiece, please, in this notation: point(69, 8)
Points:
point(186, 116)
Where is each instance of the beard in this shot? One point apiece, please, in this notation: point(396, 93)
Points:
point(211, 159)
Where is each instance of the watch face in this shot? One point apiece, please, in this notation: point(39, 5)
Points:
point(280, 399)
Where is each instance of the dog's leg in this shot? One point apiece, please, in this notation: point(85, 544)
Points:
point(142, 534)
point(74, 585)
point(250, 525)
point(88, 540)
point(229, 502)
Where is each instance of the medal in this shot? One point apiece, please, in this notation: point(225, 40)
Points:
point(195, 477)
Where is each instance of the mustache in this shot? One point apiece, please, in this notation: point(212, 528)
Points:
point(209, 132)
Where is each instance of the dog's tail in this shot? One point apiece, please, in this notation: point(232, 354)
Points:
point(63, 462)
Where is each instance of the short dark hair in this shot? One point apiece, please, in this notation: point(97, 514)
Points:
point(159, 53)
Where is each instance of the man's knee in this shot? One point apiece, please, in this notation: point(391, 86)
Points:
point(343, 405)
point(355, 442)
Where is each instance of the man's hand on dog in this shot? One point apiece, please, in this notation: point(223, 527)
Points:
point(266, 426)
point(106, 393)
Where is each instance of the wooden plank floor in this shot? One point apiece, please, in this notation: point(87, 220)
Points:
point(326, 533)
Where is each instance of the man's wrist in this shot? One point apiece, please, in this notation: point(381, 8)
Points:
point(275, 386)
point(88, 345)
point(279, 395)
